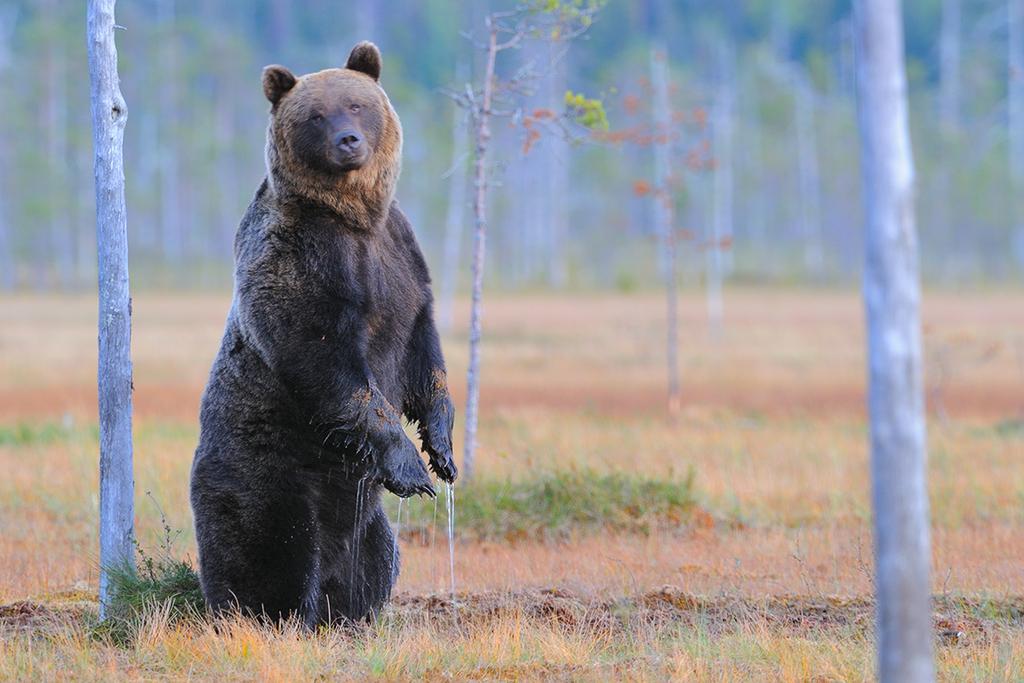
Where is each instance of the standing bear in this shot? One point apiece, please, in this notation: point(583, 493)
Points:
point(329, 342)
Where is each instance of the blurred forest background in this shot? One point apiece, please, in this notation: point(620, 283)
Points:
point(771, 80)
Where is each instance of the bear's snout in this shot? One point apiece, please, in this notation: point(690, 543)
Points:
point(348, 141)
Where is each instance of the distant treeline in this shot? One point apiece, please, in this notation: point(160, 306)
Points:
point(765, 87)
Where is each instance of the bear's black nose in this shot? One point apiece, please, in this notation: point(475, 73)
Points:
point(348, 140)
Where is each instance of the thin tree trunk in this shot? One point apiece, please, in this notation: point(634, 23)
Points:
point(809, 178)
point(721, 220)
point(663, 205)
point(1015, 86)
point(949, 64)
point(61, 247)
point(483, 139)
point(1015, 95)
point(227, 211)
point(756, 216)
point(453, 221)
point(892, 301)
point(556, 167)
point(7, 274)
point(170, 191)
point(115, 369)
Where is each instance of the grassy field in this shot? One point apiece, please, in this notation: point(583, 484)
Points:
point(601, 540)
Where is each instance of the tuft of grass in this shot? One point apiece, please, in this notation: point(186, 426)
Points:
point(556, 504)
point(21, 434)
point(167, 586)
point(159, 585)
point(1010, 428)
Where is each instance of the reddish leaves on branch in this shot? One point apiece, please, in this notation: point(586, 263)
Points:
point(631, 104)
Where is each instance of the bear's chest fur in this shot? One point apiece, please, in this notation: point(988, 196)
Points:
point(374, 272)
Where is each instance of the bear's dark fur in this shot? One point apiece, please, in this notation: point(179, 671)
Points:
point(330, 340)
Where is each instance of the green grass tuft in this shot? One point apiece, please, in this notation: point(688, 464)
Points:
point(556, 504)
point(39, 434)
point(168, 585)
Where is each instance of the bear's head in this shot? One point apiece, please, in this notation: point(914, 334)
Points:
point(334, 137)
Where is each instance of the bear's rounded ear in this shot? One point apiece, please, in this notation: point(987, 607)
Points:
point(277, 81)
point(365, 57)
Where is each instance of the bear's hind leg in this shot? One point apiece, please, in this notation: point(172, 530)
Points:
point(358, 593)
point(260, 557)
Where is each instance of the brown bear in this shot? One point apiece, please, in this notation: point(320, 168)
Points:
point(329, 343)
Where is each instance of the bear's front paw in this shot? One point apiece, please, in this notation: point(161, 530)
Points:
point(404, 474)
point(436, 433)
point(443, 465)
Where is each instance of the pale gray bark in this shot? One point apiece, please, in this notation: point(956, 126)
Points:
point(663, 218)
point(722, 211)
point(1015, 87)
point(809, 178)
point(1015, 95)
point(227, 198)
point(61, 244)
point(172, 242)
point(555, 158)
point(949, 64)
point(7, 275)
point(115, 370)
point(482, 121)
point(892, 302)
point(453, 221)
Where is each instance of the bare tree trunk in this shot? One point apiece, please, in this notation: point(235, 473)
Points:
point(482, 116)
point(7, 275)
point(61, 247)
point(227, 211)
point(892, 301)
point(115, 367)
point(756, 216)
point(280, 28)
point(949, 64)
point(556, 174)
point(1015, 89)
point(722, 214)
point(170, 191)
point(366, 23)
point(453, 221)
point(663, 206)
point(941, 211)
point(810, 180)
point(1015, 85)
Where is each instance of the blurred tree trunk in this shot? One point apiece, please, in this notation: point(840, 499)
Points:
point(367, 20)
point(115, 369)
point(8, 278)
point(60, 251)
point(1015, 94)
point(949, 64)
point(453, 220)
point(555, 157)
point(280, 29)
point(722, 214)
point(755, 218)
point(172, 243)
point(227, 197)
point(664, 203)
point(810, 180)
point(941, 215)
point(892, 302)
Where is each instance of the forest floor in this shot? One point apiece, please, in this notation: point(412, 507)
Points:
point(735, 546)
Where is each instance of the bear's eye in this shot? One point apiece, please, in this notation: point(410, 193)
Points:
point(354, 108)
point(316, 118)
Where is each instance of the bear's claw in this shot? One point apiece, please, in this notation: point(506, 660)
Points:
point(444, 467)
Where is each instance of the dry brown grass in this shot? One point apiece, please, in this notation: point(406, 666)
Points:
point(773, 427)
